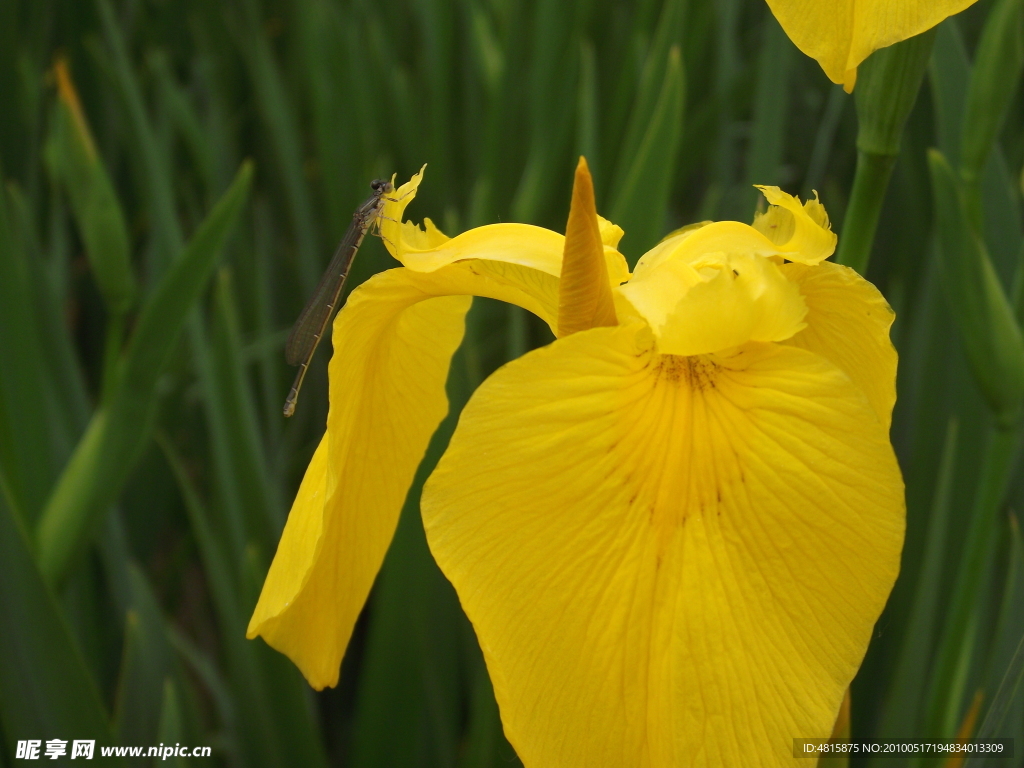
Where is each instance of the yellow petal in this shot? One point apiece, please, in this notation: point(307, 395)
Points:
point(584, 293)
point(391, 227)
point(840, 34)
point(618, 269)
point(698, 301)
point(610, 233)
point(670, 561)
point(393, 343)
point(425, 238)
point(429, 249)
point(393, 340)
point(801, 232)
point(848, 323)
point(522, 244)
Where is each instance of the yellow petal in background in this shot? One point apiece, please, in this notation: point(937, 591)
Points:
point(840, 34)
point(848, 323)
point(584, 292)
point(670, 561)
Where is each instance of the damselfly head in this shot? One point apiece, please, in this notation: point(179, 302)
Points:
point(381, 186)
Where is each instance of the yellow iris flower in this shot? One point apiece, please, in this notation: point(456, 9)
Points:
point(840, 34)
point(673, 528)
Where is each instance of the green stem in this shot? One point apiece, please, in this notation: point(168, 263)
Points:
point(866, 198)
point(975, 568)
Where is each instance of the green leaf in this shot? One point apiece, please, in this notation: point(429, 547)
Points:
point(278, 116)
point(409, 683)
point(408, 688)
point(274, 725)
point(1005, 673)
point(554, 45)
point(47, 274)
point(146, 662)
point(771, 111)
point(151, 169)
point(971, 590)
point(74, 161)
point(640, 205)
point(824, 140)
point(321, 24)
point(485, 743)
point(170, 730)
point(103, 458)
point(999, 59)
point(26, 460)
point(45, 689)
point(238, 451)
point(950, 78)
point(981, 309)
point(649, 92)
point(587, 115)
point(902, 704)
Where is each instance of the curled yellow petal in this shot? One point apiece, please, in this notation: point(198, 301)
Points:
point(427, 249)
point(713, 288)
point(391, 228)
point(610, 233)
point(584, 293)
point(801, 232)
point(670, 561)
point(840, 34)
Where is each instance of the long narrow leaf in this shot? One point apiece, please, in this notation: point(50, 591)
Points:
point(642, 200)
point(46, 692)
point(26, 460)
point(101, 462)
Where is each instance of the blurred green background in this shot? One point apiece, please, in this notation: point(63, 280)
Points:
point(149, 275)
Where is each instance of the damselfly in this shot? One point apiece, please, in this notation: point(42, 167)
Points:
point(310, 326)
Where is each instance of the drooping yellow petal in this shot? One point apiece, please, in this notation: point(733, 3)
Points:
point(840, 34)
point(848, 323)
point(393, 341)
point(801, 232)
point(387, 381)
point(584, 293)
point(670, 561)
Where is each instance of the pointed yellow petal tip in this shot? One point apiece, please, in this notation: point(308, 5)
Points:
point(801, 232)
point(850, 80)
point(392, 231)
point(841, 34)
point(584, 292)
